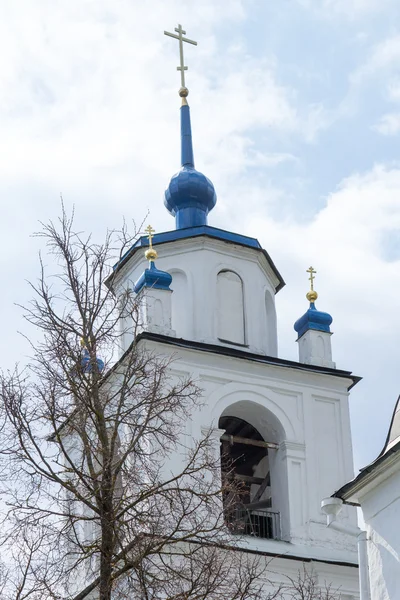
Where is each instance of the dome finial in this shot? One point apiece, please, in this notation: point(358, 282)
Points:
point(312, 294)
point(151, 253)
point(183, 92)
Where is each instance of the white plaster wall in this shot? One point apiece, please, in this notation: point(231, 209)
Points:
point(155, 311)
point(194, 264)
point(307, 414)
point(315, 348)
point(381, 511)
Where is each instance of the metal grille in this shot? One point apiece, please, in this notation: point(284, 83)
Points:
point(260, 523)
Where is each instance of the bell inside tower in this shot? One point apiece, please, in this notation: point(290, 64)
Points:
point(245, 466)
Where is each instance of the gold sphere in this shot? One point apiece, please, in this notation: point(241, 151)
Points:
point(151, 254)
point(183, 92)
point(312, 296)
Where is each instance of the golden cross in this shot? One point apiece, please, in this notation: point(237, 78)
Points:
point(181, 32)
point(312, 272)
point(150, 234)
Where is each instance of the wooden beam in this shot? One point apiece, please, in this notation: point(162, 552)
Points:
point(234, 439)
point(262, 504)
point(261, 489)
point(248, 479)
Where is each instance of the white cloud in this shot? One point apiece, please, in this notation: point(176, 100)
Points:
point(383, 57)
point(349, 243)
point(393, 90)
point(389, 124)
point(346, 8)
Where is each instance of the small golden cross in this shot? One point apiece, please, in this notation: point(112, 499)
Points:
point(181, 39)
point(150, 234)
point(312, 272)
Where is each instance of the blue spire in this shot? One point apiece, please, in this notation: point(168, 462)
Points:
point(190, 195)
point(187, 158)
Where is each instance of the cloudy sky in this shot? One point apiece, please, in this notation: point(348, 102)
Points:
point(296, 117)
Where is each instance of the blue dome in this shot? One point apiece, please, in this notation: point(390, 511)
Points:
point(313, 319)
point(86, 364)
point(153, 278)
point(190, 195)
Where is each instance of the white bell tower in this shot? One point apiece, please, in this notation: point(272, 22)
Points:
point(282, 428)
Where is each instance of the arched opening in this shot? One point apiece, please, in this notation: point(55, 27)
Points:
point(248, 461)
point(230, 308)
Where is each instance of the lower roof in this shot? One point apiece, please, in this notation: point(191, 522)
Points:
point(244, 355)
point(391, 446)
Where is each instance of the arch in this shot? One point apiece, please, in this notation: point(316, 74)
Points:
point(262, 405)
point(256, 494)
point(259, 417)
point(272, 335)
point(180, 307)
point(230, 307)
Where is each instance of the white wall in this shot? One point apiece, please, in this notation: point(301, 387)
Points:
point(381, 511)
point(201, 308)
point(307, 414)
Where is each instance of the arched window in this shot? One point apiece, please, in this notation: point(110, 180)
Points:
point(230, 308)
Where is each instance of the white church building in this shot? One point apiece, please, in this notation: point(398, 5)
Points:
point(376, 489)
point(210, 303)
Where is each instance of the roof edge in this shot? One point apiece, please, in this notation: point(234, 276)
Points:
point(365, 476)
point(190, 232)
point(243, 354)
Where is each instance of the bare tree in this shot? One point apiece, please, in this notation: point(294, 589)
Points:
point(305, 586)
point(94, 509)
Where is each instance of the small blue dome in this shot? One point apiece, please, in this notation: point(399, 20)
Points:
point(86, 364)
point(313, 319)
point(153, 278)
point(190, 195)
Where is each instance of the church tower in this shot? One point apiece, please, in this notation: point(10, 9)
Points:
point(208, 299)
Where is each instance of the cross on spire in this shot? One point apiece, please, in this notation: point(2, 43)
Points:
point(150, 234)
point(181, 32)
point(312, 272)
point(151, 253)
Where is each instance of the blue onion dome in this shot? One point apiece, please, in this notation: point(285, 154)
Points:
point(86, 363)
point(190, 195)
point(313, 318)
point(153, 278)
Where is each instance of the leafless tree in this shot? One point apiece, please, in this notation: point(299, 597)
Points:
point(305, 586)
point(85, 448)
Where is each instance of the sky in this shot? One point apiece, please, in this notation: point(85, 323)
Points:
point(295, 111)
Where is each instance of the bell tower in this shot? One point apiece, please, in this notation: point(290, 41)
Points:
point(280, 428)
